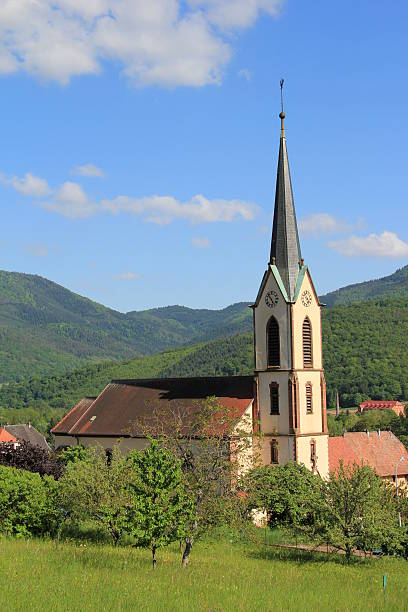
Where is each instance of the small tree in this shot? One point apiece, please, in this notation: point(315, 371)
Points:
point(96, 488)
point(290, 495)
point(161, 507)
point(215, 445)
point(360, 511)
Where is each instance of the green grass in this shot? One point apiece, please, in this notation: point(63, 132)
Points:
point(222, 575)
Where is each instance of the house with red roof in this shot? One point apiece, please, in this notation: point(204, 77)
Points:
point(381, 450)
point(5, 436)
point(125, 408)
point(395, 406)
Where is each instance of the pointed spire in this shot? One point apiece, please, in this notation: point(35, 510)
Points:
point(285, 247)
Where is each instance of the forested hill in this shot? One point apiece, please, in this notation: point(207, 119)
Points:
point(46, 329)
point(365, 356)
point(395, 285)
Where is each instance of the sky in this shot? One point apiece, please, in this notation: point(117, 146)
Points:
point(139, 143)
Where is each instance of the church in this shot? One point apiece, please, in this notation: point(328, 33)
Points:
point(285, 398)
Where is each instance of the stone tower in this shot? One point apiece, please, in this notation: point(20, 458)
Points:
point(288, 344)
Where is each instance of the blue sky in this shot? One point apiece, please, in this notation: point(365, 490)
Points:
point(139, 142)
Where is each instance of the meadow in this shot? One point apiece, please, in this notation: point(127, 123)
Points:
point(223, 575)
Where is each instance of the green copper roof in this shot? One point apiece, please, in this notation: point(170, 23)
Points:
point(278, 279)
point(299, 281)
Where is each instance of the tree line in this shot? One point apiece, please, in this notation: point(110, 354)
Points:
point(184, 483)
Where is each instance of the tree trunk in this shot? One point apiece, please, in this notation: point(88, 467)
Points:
point(187, 551)
point(154, 556)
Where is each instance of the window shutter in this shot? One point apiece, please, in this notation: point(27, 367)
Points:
point(273, 343)
point(307, 344)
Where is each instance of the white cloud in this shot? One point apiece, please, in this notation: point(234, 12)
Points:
point(386, 244)
point(126, 276)
point(165, 209)
point(37, 250)
point(161, 42)
point(246, 74)
point(236, 13)
point(71, 201)
point(200, 243)
point(323, 223)
point(40, 250)
point(89, 170)
point(29, 185)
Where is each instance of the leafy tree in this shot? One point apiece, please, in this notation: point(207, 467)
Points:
point(27, 503)
point(360, 511)
point(161, 507)
point(72, 454)
point(211, 446)
point(32, 458)
point(290, 495)
point(96, 488)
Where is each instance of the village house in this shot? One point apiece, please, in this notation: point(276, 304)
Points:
point(395, 406)
point(381, 450)
point(5, 436)
point(23, 432)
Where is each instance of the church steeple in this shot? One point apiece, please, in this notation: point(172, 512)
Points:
point(285, 246)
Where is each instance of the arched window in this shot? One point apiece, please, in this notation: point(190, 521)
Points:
point(273, 343)
point(307, 344)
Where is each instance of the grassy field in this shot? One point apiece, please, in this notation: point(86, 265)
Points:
point(222, 576)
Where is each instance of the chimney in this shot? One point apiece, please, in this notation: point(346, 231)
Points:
point(368, 433)
point(379, 432)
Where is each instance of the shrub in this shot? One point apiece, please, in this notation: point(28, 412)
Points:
point(27, 503)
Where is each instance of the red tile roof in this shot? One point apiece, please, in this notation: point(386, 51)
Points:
point(394, 405)
point(124, 402)
point(381, 451)
point(71, 418)
point(5, 436)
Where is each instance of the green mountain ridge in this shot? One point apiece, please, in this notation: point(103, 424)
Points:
point(364, 348)
point(46, 329)
point(395, 285)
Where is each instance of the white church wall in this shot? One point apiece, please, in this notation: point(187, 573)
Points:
point(271, 423)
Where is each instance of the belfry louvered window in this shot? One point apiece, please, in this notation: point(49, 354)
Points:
point(273, 343)
point(307, 344)
point(309, 398)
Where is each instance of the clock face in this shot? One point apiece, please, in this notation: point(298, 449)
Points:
point(271, 299)
point(306, 298)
